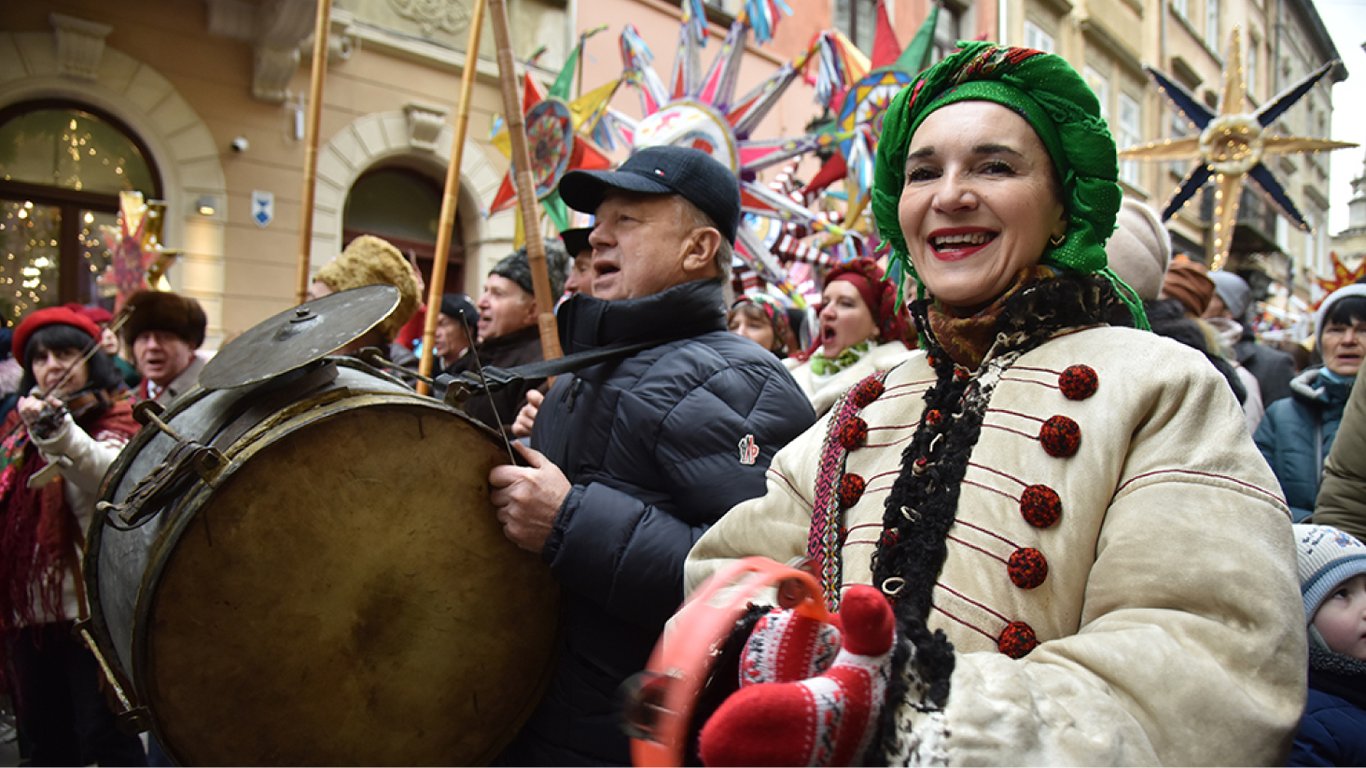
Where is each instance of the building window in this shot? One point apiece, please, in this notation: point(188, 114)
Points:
point(403, 206)
point(1253, 61)
point(1212, 24)
point(948, 30)
point(1129, 132)
point(858, 20)
point(1182, 8)
point(1180, 128)
point(1036, 38)
point(62, 166)
point(1101, 85)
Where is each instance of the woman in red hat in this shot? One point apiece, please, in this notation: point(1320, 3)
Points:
point(861, 331)
point(74, 419)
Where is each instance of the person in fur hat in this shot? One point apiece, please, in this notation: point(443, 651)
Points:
point(369, 260)
point(1332, 566)
point(164, 332)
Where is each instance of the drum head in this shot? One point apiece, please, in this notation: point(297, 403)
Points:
point(346, 596)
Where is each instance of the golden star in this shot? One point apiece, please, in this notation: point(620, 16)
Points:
point(1231, 146)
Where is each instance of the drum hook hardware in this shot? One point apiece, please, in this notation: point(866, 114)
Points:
point(646, 694)
point(188, 460)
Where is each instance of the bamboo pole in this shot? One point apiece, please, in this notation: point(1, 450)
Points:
point(315, 105)
point(526, 185)
point(450, 198)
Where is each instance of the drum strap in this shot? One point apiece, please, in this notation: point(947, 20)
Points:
point(468, 383)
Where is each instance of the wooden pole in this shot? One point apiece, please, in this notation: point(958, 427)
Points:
point(450, 198)
point(526, 185)
point(315, 107)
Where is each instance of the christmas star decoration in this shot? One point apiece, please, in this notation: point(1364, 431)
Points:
point(1342, 276)
point(558, 131)
point(699, 109)
point(858, 89)
point(130, 256)
point(1231, 146)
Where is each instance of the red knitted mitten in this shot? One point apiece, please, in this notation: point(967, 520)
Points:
point(785, 646)
point(823, 720)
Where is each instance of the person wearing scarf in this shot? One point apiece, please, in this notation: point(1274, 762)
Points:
point(863, 329)
point(52, 458)
point(1043, 503)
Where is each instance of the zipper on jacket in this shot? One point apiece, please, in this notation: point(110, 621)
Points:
point(573, 395)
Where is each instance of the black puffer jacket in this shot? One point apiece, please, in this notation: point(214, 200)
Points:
point(655, 446)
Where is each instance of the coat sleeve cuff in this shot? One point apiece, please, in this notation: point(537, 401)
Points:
point(562, 518)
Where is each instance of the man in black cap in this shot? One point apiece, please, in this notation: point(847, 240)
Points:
point(632, 459)
point(508, 334)
point(452, 337)
point(580, 277)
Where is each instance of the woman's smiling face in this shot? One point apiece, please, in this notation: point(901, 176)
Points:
point(979, 203)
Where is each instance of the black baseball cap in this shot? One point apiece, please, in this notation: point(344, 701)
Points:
point(576, 240)
point(689, 173)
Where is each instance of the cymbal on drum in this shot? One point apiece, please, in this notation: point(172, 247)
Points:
point(298, 336)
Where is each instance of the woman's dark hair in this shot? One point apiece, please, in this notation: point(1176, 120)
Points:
point(102, 373)
point(1346, 310)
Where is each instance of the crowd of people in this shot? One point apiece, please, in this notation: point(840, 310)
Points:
point(1071, 510)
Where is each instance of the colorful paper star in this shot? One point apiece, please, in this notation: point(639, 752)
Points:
point(1231, 146)
point(1342, 276)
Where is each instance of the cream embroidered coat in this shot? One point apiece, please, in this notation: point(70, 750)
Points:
point(1169, 622)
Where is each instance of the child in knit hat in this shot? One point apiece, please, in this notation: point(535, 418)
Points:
point(1332, 567)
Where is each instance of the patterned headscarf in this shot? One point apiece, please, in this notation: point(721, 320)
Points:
point(1049, 94)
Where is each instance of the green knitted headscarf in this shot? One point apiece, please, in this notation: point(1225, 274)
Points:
point(1044, 90)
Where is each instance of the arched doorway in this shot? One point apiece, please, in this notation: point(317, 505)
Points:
point(62, 165)
point(403, 206)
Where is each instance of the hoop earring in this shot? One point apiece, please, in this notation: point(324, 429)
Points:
point(1057, 240)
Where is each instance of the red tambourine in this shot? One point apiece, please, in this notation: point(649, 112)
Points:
point(661, 703)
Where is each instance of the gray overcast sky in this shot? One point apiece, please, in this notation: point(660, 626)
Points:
point(1346, 22)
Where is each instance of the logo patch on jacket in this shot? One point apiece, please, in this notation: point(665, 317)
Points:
point(749, 450)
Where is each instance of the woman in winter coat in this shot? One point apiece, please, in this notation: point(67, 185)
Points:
point(58, 441)
point(861, 330)
point(1041, 501)
point(1297, 431)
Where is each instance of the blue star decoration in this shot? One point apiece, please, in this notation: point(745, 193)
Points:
point(1231, 146)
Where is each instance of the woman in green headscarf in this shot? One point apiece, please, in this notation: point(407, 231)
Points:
point(1086, 560)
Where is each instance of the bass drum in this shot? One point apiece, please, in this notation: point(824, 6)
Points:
point(309, 571)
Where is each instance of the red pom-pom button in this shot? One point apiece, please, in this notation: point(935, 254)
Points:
point(1078, 382)
point(853, 433)
point(889, 538)
point(851, 489)
point(1060, 436)
point(1017, 640)
point(933, 416)
point(1040, 506)
point(866, 391)
point(1027, 568)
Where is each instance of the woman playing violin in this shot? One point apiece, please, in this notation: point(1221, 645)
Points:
point(58, 441)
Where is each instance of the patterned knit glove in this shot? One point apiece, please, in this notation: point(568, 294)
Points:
point(827, 719)
point(785, 646)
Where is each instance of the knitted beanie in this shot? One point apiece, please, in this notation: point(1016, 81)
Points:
point(1140, 248)
point(516, 268)
point(368, 260)
point(1052, 97)
point(1188, 282)
point(1326, 558)
point(1355, 289)
point(172, 313)
point(1234, 292)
